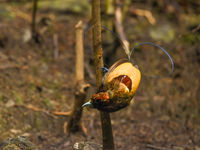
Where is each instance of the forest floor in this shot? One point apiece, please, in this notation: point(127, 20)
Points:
point(165, 113)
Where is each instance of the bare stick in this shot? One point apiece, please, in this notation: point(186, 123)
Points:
point(120, 30)
point(47, 112)
point(62, 113)
point(156, 147)
point(33, 108)
point(74, 123)
point(79, 52)
point(108, 143)
point(33, 25)
point(144, 13)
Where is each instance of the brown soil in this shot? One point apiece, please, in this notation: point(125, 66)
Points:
point(165, 113)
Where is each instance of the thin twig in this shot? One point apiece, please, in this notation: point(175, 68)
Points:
point(146, 14)
point(49, 113)
point(156, 147)
point(190, 32)
point(33, 108)
point(120, 30)
point(62, 113)
point(196, 29)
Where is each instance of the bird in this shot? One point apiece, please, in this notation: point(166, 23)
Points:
point(118, 87)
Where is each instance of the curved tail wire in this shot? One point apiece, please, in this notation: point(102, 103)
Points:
point(132, 50)
point(153, 44)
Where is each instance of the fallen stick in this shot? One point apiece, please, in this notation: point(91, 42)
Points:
point(49, 113)
point(156, 147)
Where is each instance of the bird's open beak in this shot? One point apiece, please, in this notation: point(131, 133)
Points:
point(87, 104)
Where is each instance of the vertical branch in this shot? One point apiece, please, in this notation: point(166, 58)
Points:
point(96, 31)
point(108, 143)
point(74, 123)
point(120, 29)
point(79, 52)
point(33, 25)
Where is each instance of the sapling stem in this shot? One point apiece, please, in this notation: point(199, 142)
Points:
point(33, 24)
point(108, 143)
point(120, 29)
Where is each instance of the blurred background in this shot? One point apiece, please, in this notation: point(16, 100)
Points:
point(37, 61)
